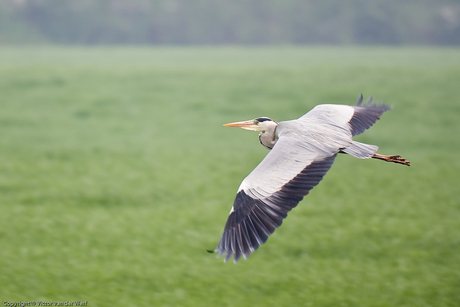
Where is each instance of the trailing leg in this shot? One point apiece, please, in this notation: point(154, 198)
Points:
point(392, 158)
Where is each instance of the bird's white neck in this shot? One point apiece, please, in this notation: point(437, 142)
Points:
point(268, 137)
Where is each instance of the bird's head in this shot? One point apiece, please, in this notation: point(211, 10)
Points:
point(259, 124)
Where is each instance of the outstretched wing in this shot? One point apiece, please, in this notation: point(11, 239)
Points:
point(355, 119)
point(289, 171)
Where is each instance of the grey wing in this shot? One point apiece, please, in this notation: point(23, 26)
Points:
point(289, 171)
point(365, 115)
point(354, 119)
point(348, 120)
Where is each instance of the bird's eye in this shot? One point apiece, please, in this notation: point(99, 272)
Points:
point(256, 122)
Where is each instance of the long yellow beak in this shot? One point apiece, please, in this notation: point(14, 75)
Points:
point(240, 124)
point(248, 125)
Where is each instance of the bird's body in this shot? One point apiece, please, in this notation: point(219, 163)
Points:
point(302, 151)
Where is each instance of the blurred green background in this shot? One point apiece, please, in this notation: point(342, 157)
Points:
point(116, 175)
point(260, 22)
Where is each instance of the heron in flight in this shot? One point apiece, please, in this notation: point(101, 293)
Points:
point(301, 152)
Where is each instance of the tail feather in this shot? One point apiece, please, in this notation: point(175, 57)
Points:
point(360, 150)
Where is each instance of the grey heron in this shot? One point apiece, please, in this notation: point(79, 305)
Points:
point(301, 152)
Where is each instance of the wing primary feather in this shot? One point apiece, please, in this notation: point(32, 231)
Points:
point(272, 216)
point(245, 241)
point(365, 115)
point(256, 240)
point(238, 244)
point(360, 100)
point(268, 225)
point(262, 230)
point(227, 248)
point(280, 210)
point(368, 101)
point(230, 250)
point(232, 240)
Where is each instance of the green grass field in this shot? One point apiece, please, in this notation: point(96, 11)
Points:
point(116, 175)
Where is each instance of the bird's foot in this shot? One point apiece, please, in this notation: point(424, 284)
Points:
point(392, 158)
